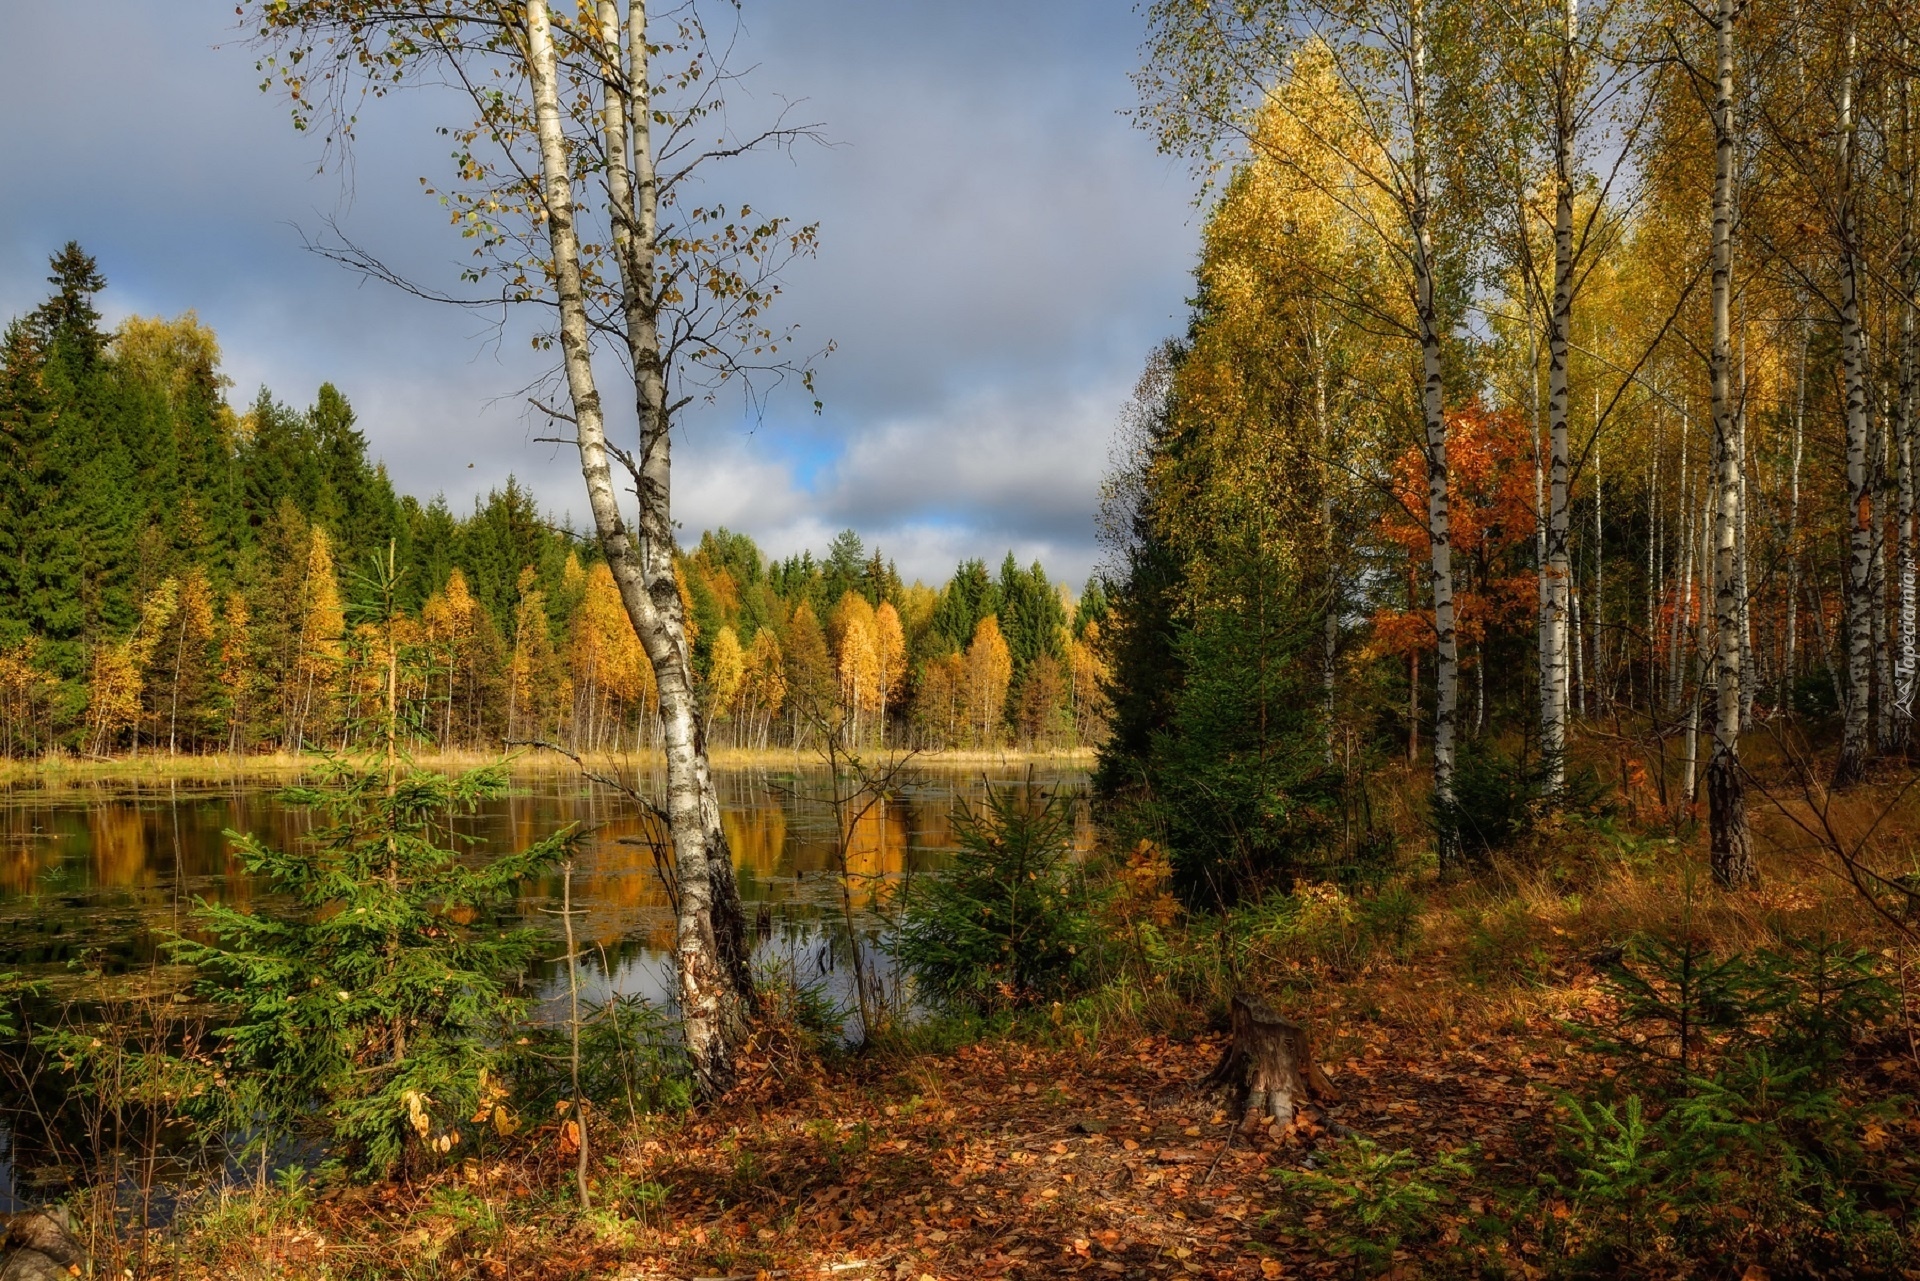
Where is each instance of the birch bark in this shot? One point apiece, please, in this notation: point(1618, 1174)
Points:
point(1905, 659)
point(1557, 576)
point(714, 984)
point(1730, 844)
point(1446, 664)
point(1854, 742)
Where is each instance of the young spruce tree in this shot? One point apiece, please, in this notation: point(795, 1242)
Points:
point(371, 1014)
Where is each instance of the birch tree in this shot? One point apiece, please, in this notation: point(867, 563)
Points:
point(1404, 74)
point(586, 128)
point(1731, 846)
point(1569, 73)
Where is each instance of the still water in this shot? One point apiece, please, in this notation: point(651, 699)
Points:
point(103, 876)
point(97, 878)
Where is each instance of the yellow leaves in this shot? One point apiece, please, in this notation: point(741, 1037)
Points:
point(322, 621)
point(763, 682)
point(415, 1104)
point(171, 356)
point(890, 649)
point(607, 659)
point(989, 671)
point(850, 631)
point(726, 668)
point(449, 612)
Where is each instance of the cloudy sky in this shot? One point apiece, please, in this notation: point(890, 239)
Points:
point(1000, 250)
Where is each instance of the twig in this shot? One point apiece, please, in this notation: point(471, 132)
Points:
point(1232, 1129)
point(631, 793)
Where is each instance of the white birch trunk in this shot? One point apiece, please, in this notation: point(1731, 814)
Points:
point(1730, 843)
point(1330, 625)
point(1556, 582)
point(1854, 743)
point(1792, 671)
point(1446, 665)
point(1904, 660)
point(1683, 596)
point(1882, 648)
point(1741, 594)
point(1655, 564)
point(714, 988)
point(1597, 612)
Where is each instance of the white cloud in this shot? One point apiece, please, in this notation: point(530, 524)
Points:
point(999, 252)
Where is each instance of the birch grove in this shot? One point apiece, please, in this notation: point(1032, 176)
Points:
point(1674, 217)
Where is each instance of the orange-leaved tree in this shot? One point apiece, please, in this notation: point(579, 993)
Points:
point(1490, 493)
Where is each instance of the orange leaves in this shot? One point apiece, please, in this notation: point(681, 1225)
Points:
point(1489, 486)
point(1491, 525)
point(1143, 886)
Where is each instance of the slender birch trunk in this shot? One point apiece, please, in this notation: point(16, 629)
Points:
point(1446, 662)
point(715, 987)
point(1731, 845)
point(1853, 358)
point(1905, 659)
point(1792, 670)
point(1701, 651)
point(1556, 584)
point(1882, 649)
point(1330, 626)
point(1597, 614)
point(1576, 644)
point(1543, 605)
point(1683, 600)
point(1741, 593)
point(1655, 562)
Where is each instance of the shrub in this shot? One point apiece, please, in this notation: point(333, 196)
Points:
point(632, 1062)
point(1011, 921)
point(1499, 800)
point(1376, 1200)
point(1736, 1135)
point(368, 1016)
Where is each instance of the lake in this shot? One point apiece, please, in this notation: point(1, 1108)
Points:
point(98, 877)
point(105, 873)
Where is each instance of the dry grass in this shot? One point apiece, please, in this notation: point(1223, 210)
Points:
point(149, 769)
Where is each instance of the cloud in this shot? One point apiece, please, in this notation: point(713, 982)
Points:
point(1000, 249)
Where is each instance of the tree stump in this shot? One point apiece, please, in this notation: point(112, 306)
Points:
point(1268, 1064)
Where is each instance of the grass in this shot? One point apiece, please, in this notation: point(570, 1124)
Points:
point(148, 769)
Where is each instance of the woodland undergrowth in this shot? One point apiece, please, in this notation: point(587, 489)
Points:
point(1579, 1060)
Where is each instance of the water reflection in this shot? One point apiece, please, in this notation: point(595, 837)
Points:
point(111, 873)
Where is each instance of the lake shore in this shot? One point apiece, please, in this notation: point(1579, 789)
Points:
point(147, 768)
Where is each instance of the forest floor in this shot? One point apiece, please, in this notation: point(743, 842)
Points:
point(1065, 1147)
point(1001, 1159)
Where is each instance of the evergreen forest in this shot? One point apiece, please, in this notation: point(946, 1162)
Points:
point(181, 577)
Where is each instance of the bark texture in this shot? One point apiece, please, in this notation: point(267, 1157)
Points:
point(710, 950)
point(1446, 658)
point(1731, 843)
point(1268, 1066)
point(1556, 577)
point(1854, 361)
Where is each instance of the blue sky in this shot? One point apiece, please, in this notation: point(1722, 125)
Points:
point(999, 251)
